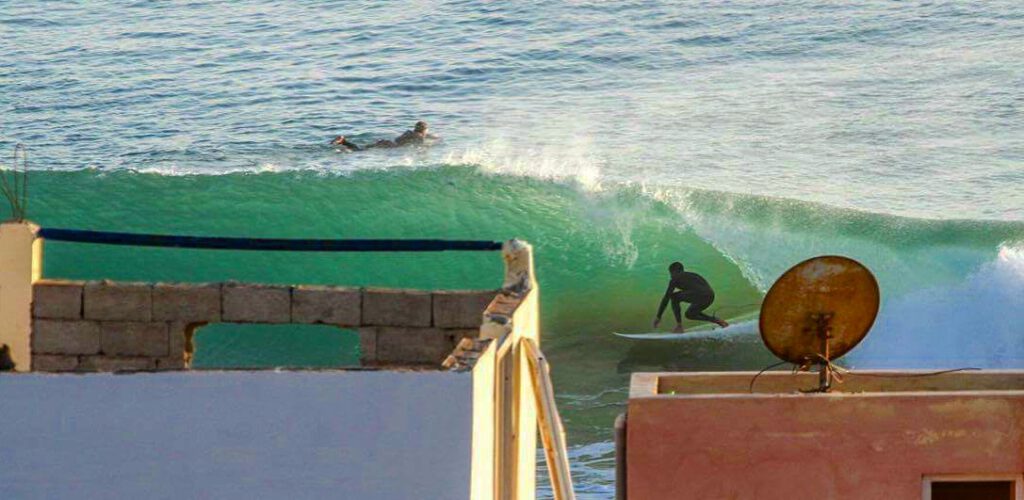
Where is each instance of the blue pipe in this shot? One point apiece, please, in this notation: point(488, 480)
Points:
point(295, 245)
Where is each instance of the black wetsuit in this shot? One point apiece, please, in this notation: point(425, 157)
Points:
point(351, 146)
point(694, 290)
point(408, 138)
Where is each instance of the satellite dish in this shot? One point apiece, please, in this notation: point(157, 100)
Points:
point(818, 311)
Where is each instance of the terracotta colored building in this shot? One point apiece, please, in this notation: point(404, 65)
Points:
point(878, 435)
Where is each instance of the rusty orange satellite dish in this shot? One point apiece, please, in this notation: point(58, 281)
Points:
point(819, 310)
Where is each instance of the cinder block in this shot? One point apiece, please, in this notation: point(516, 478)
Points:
point(412, 345)
point(114, 364)
point(65, 337)
point(461, 309)
point(186, 302)
point(367, 345)
point(456, 335)
point(326, 304)
point(112, 301)
point(123, 338)
point(171, 363)
point(52, 363)
point(176, 338)
point(383, 307)
point(256, 303)
point(503, 306)
point(57, 299)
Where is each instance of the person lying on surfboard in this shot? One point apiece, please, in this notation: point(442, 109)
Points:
point(691, 288)
point(418, 136)
point(345, 143)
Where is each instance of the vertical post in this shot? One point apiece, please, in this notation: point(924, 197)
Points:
point(824, 327)
point(525, 325)
point(511, 317)
point(21, 257)
point(620, 457)
point(519, 275)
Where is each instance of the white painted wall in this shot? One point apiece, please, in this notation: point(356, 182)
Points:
point(245, 435)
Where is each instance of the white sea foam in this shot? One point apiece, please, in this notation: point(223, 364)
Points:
point(978, 322)
point(572, 161)
point(178, 170)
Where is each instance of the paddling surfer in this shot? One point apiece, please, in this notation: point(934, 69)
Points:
point(691, 288)
point(345, 143)
point(418, 136)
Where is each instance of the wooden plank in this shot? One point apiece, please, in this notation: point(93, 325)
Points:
point(551, 430)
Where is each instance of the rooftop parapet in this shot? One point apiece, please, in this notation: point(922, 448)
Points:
point(878, 434)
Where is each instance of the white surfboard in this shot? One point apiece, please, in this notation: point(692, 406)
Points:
point(744, 326)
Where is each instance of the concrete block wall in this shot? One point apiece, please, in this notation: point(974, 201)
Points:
point(113, 326)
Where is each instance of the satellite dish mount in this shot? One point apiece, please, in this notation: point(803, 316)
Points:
point(823, 329)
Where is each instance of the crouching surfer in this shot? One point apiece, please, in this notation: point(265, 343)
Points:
point(691, 288)
point(418, 136)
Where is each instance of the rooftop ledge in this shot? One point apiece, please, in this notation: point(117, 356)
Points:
point(784, 383)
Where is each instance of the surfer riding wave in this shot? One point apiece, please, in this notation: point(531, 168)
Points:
point(691, 288)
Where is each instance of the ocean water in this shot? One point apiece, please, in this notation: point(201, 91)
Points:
point(617, 137)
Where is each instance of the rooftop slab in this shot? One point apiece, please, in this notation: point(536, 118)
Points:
point(879, 434)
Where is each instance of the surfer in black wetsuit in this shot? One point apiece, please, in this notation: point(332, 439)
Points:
point(691, 288)
point(345, 143)
point(418, 136)
point(415, 137)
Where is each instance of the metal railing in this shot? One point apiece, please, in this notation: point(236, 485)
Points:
point(275, 244)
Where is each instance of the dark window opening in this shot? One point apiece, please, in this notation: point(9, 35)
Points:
point(973, 490)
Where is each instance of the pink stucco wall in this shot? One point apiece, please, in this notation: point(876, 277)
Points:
point(823, 446)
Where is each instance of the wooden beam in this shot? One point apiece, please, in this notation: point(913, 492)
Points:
point(551, 431)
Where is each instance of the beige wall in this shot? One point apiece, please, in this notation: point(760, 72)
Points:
point(20, 266)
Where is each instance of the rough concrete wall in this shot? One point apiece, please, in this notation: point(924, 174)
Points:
point(834, 446)
point(110, 326)
point(371, 435)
